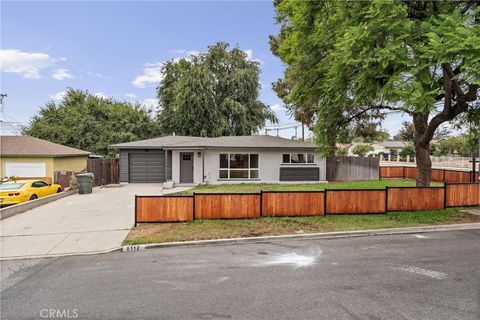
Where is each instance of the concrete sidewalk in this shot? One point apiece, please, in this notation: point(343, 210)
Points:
point(76, 224)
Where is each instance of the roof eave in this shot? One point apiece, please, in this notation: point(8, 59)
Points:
point(44, 155)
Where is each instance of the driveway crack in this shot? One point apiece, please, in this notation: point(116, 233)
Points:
point(68, 235)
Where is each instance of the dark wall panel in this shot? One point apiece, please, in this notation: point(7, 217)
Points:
point(300, 174)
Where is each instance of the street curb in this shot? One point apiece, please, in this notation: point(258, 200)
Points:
point(59, 255)
point(308, 236)
point(237, 241)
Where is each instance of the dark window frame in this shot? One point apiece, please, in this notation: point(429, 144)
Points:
point(255, 171)
point(305, 155)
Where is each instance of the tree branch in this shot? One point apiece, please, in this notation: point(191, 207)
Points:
point(379, 107)
point(456, 86)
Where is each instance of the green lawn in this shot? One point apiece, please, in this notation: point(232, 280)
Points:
point(257, 187)
point(215, 229)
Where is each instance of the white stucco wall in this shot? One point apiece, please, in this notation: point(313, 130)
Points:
point(270, 162)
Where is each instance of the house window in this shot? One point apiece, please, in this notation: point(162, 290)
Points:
point(293, 158)
point(238, 166)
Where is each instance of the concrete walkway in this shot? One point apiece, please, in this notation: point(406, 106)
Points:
point(76, 224)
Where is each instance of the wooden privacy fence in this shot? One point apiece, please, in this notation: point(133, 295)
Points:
point(352, 168)
point(415, 198)
point(163, 208)
point(175, 208)
point(359, 201)
point(105, 171)
point(294, 203)
point(226, 205)
point(439, 175)
point(63, 178)
point(462, 194)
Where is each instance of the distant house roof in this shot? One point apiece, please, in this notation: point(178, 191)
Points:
point(391, 144)
point(179, 142)
point(24, 146)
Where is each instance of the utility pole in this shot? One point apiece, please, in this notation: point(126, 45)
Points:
point(2, 96)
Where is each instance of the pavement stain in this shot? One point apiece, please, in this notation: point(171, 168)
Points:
point(424, 272)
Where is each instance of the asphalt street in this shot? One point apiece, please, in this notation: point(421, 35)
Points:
point(423, 276)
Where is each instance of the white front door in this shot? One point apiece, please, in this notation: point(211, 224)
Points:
point(25, 169)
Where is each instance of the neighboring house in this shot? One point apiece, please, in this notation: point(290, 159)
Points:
point(24, 156)
point(386, 147)
point(193, 160)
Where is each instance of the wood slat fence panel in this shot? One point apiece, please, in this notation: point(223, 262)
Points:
point(462, 194)
point(438, 175)
point(355, 201)
point(352, 168)
point(227, 206)
point(63, 178)
point(164, 208)
point(410, 173)
point(391, 172)
point(415, 198)
point(457, 176)
point(292, 203)
point(105, 171)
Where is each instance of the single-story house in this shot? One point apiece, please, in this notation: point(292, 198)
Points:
point(388, 146)
point(29, 157)
point(232, 159)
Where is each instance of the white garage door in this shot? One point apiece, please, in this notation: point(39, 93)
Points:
point(25, 169)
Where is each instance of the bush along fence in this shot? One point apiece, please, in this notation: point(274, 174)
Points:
point(439, 175)
point(182, 208)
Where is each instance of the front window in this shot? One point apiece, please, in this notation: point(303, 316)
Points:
point(238, 166)
point(294, 158)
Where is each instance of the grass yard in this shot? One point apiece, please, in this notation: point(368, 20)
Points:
point(215, 229)
point(257, 187)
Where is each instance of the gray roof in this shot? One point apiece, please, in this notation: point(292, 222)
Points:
point(181, 142)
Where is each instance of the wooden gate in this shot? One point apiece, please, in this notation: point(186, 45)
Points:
point(105, 171)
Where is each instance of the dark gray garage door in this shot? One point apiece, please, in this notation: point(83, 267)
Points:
point(146, 167)
point(299, 174)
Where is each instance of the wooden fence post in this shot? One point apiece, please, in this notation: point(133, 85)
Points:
point(193, 206)
point(445, 195)
point(386, 199)
point(135, 210)
point(261, 203)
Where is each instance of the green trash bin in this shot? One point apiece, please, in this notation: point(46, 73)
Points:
point(85, 183)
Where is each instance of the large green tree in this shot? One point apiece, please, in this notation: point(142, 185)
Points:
point(212, 94)
point(91, 123)
point(359, 60)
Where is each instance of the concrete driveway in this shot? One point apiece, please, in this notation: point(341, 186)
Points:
point(75, 224)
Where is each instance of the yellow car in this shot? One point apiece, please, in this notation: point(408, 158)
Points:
point(13, 192)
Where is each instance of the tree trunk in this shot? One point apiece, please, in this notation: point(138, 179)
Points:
point(424, 164)
point(422, 152)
